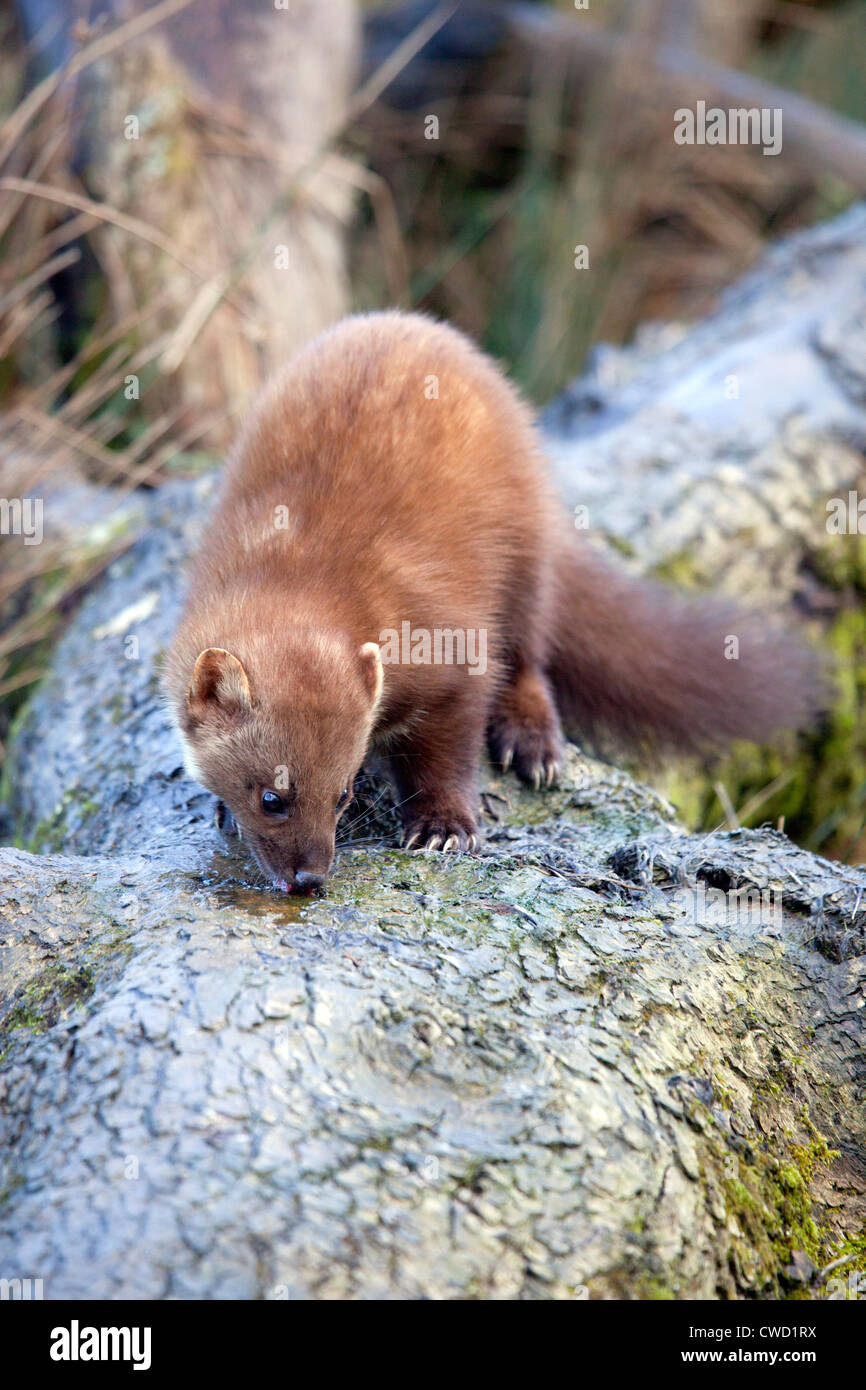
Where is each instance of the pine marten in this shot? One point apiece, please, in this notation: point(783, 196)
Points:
point(389, 573)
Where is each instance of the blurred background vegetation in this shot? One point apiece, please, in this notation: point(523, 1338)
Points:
point(536, 153)
point(541, 145)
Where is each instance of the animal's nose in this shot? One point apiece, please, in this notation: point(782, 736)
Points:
point(307, 881)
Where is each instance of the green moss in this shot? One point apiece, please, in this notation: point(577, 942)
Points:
point(49, 835)
point(61, 986)
point(382, 1143)
point(621, 546)
point(45, 998)
point(654, 1290)
point(852, 1249)
point(680, 570)
point(10, 1187)
point(808, 1156)
point(768, 1201)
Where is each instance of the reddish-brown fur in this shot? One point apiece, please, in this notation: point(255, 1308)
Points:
point(428, 504)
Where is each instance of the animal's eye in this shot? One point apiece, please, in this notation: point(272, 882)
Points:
point(342, 798)
point(272, 804)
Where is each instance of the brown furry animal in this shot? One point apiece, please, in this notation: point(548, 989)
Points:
point(388, 572)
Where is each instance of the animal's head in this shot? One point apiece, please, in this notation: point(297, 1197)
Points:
point(282, 752)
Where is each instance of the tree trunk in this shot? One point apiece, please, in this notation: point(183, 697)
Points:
point(211, 127)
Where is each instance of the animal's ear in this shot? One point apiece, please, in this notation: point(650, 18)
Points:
point(219, 681)
point(371, 667)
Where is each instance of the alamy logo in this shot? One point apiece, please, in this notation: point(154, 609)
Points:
point(741, 125)
point(76, 1343)
point(850, 1288)
point(737, 904)
point(846, 516)
point(22, 516)
point(22, 1290)
point(441, 646)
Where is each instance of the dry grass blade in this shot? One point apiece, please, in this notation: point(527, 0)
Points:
point(31, 282)
point(104, 213)
point(403, 54)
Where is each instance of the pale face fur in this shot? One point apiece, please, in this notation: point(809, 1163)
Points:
point(284, 770)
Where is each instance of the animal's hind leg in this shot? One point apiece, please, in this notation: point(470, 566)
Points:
point(524, 728)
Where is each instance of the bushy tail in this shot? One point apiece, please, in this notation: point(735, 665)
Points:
point(633, 660)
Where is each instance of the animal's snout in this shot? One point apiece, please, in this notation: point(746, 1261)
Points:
point(307, 881)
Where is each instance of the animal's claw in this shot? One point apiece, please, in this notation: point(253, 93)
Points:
point(447, 830)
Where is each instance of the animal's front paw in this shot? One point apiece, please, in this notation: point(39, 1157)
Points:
point(450, 830)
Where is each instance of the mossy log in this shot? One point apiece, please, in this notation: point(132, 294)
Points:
point(600, 1058)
